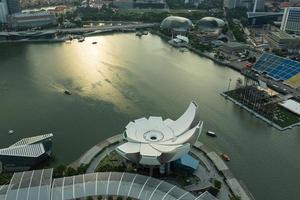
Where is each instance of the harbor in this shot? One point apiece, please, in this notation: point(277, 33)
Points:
point(118, 86)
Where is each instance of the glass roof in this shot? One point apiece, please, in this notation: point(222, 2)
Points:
point(36, 185)
point(30, 185)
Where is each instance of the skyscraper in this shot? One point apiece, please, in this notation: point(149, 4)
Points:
point(14, 6)
point(291, 20)
point(3, 11)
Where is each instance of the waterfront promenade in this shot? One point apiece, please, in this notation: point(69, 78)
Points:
point(211, 166)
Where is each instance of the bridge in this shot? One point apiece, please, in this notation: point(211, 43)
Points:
point(108, 28)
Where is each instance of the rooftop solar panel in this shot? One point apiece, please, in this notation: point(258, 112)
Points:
point(276, 67)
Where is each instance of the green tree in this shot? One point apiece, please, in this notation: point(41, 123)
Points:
point(70, 171)
point(59, 171)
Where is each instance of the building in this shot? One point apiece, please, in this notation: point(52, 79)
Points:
point(40, 185)
point(255, 5)
point(31, 20)
point(3, 11)
point(156, 142)
point(233, 47)
point(14, 6)
point(260, 18)
point(149, 4)
point(26, 153)
point(283, 40)
point(210, 24)
point(291, 20)
point(176, 24)
point(277, 68)
point(123, 4)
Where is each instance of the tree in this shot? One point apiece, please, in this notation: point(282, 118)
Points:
point(70, 171)
point(59, 171)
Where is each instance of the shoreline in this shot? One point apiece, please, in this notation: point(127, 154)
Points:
point(92, 157)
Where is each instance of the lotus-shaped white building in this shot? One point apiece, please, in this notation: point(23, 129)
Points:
point(155, 141)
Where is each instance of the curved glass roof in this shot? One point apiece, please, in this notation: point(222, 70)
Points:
point(210, 23)
point(36, 185)
point(174, 22)
point(116, 184)
point(30, 185)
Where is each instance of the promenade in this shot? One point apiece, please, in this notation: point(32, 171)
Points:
point(211, 167)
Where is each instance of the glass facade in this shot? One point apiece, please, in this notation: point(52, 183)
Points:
point(36, 185)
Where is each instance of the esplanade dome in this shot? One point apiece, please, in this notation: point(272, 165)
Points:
point(210, 24)
point(175, 22)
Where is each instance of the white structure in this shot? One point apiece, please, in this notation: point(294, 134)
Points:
point(292, 106)
point(155, 141)
point(291, 20)
point(3, 11)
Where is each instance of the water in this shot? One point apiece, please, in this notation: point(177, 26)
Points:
point(124, 77)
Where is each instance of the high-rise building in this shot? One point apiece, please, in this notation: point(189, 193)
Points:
point(3, 11)
point(14, 6)
point(291, 20)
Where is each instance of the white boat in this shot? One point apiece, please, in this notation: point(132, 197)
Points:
point(10, 132)
point(212, 134)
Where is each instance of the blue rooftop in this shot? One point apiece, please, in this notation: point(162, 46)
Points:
point(189, 161)
point(276, 67)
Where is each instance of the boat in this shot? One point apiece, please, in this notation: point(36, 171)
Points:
point(81, 40)
point(212, 134)
point(11, 132)
point(67, 92)
point(225, 157)
point(94, 43)
point(145, 33)
point(139, 33)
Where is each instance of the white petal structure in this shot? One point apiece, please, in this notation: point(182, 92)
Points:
point(155, 141)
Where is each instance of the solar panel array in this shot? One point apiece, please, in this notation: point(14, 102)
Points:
point(276, 67)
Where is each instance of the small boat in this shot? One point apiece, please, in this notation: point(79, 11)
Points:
point(66, 92)
point(211, 134)
point(11, 132)
point(145, 33)
point(81, 40)
point(139, 33)
point(94, 43)
point(225, 157)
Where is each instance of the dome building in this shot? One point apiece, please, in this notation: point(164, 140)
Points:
point(175, 23)
point(210, 24)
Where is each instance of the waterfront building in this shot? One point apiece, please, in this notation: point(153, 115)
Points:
point(283, 40)
point(277, 68)
point(39, 185)
point(156, 142)
point(233, 47)
point(176, 24)
point(31, 20)
point(291, 20)
point(210, 24)
point(26, 153)
point(3, 11)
